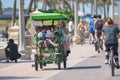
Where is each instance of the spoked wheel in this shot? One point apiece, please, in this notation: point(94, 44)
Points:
point(112, 67)
point(64, 61)
point(36, 62)
point(41, 64)
point(95, 44)
point(59, 61)
point(98, 45)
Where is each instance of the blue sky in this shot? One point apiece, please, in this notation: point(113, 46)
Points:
point(9, 3)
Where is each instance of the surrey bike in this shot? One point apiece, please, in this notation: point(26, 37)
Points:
point(52, 54)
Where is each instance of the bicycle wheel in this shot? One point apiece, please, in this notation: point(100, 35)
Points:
point(112, 65)
point(36, 63)
point(41, 64)
point(64, 61)
point(98, 46)
point(58, 56)
point(112, 68)
point(95, 44)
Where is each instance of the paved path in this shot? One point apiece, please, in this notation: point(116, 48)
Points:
point(23, 69)
point(92, 68)
point(82, 64)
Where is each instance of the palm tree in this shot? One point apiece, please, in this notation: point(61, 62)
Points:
point(108, 3)
point(28, 10)
point(14, 13)
point(1, 7)
point(84, 2)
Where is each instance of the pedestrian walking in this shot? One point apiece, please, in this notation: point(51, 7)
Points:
point(70, 28)
point(81, 31)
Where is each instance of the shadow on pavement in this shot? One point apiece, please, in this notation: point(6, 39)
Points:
point(83, 67)
point(51, 69)
point(19, 61)
point(15, 78)
point(74, 68)
point(89, 57)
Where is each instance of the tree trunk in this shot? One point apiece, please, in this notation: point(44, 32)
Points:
point(0, 7)
point(91, 8)
point(107, 10)
point(35, 4)
point(14, 13)
point(28, 11)
point(83, 6)
point(104, 12)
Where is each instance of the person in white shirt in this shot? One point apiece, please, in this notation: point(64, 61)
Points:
point(70, 27)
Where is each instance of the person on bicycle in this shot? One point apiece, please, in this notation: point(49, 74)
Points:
point(92, 31)
point(110, 33)
point(98, 25)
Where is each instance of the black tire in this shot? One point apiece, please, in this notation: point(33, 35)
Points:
point(36, 63)
point(98, 51)
point(41, 65)
point(64, 61)
point(59, 61)
point(95, 44)
point(112, 67)
point(112, 63)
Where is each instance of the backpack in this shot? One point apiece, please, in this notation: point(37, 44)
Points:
point(99, 24)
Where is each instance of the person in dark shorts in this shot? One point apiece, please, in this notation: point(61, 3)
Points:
point(91, 23)
point(98, 29)
point(110, 33)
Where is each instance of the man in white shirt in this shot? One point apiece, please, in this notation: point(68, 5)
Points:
point(70, 27)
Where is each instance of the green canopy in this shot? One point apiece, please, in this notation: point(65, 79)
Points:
point(48, 16)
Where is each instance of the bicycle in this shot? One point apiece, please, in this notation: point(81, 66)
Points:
point(112, 62)
point(98, 43)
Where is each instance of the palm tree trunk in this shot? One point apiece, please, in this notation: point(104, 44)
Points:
point(35, 4)
point(83, 6)
point(14, 13)
point(28, 11)
point(91, 8)
point(104, 12)
point(107, 10)
point(0, 7)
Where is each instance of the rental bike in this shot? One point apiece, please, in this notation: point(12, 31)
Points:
point(53, 54)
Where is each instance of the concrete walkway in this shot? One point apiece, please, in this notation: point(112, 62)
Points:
point(23, 70)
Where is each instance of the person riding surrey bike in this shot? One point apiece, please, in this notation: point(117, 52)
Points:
point(98, 25)
point(110, 33)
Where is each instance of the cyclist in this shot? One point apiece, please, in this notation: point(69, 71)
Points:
point(98, 29)
point(111, 34)
point(91, 23)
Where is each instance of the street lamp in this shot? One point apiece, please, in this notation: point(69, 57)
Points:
point(22, 47)
point(76, 37)
point(112, 9)
point(76, 15)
